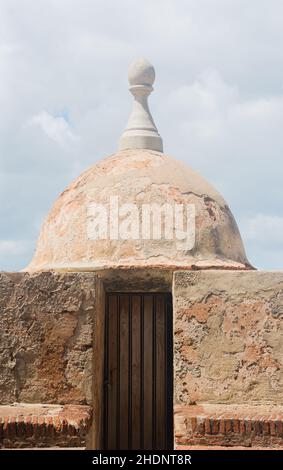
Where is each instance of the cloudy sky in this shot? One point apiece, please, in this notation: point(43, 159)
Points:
point(218, 104)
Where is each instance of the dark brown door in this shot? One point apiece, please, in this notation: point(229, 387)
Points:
point(138, 405)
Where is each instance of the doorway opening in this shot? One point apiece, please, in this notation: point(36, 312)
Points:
point(138, 371)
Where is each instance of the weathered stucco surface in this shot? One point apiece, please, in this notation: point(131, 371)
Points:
point(138, 177)
point(228, 342)
point(46, 338)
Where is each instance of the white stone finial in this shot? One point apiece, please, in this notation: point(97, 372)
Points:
point(141, 132)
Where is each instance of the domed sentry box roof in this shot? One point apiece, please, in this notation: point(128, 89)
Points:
point(139, 208)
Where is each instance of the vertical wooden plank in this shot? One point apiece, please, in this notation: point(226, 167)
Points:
point(147, 388)
point(123, 428)
point(160, 372)
point(136, 372)
point(111, 388)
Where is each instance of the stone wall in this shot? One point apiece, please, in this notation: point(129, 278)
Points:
point(228, 342)
point(228, 353)
point(46, 337)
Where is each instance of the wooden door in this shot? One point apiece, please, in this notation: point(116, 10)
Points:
point(138, 408)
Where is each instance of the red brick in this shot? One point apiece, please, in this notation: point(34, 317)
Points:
point(29, 427)
point(236, 426)
point(21, 428)
point(49, 426)
point(279, 426)
point(228, 426)
point(258, 427)
point(266, 428)
point(207, 426)
point(242, 427)
point(64, 426)
point(5, 426)
point(272, 428)
point(215, 425)
point(248, 426)
point(222, 426)
point(200, 426)
point(194, 423)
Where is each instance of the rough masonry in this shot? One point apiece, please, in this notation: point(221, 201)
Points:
point(228, 347)
point(46, 338)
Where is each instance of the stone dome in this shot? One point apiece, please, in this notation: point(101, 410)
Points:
point(140, 178)
point(139, 208)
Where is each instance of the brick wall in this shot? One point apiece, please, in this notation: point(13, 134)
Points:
point(29, 426)
point(229, 425)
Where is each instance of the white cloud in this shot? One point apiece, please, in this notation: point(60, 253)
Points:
point(56, 128)
point(263, 237)
point(214, 109)
point(13, 247)
point(264, 229)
